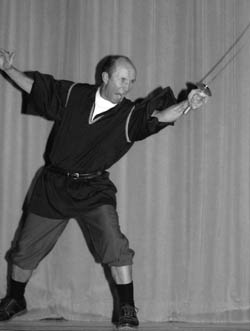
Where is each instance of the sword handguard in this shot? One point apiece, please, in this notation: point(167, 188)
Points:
point(204, 88)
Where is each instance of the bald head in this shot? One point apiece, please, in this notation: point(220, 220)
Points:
point(113, 60)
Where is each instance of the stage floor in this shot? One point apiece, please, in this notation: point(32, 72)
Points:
point(61, 325)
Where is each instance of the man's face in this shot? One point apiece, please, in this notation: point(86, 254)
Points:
point(117, 86)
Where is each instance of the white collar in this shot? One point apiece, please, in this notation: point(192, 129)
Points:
point(101, 105)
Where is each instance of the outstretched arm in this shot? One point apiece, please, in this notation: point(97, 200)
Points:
point(18, 77)
point(196, 99)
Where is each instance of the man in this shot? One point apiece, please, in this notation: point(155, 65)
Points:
point(94, 126)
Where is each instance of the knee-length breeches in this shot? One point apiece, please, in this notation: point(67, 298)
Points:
point(101, 225)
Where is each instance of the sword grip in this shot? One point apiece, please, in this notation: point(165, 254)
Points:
point(187, 110)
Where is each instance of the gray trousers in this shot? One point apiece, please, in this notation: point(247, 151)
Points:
point(101, 229)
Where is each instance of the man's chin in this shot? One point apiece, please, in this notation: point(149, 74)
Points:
point(119, 98)
point(116, 100)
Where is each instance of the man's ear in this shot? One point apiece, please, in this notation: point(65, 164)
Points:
point(105, 77)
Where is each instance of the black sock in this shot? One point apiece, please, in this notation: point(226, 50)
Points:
point(126, 293)
point(16, 289)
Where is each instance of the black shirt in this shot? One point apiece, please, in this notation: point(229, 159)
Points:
point(77, 144)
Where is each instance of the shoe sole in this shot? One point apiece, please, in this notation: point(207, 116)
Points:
point(127, 327)
point(22, 312)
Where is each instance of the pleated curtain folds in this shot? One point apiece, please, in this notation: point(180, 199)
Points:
point(183, 194)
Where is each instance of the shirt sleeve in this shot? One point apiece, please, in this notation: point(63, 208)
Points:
point(141, 123)
point(47, 97)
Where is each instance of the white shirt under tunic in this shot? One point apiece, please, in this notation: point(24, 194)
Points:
point(101, 105)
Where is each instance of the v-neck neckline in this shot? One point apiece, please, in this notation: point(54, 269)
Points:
point(101, 115)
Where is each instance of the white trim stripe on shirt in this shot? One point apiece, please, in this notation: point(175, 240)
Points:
point(68, 94)
point(127, 124)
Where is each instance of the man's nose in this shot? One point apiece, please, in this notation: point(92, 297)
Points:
point(126, 87)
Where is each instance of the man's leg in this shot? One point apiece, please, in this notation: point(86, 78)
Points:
point(20, 275)
point(122, 275)
point(37, 237)
point(18, 281)
point(113, 249)
point(125, 288)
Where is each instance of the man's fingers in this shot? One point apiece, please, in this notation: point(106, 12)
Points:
point(6, 53)
point(6, 58)
point(197, 98)
point(12, 55)
point(3, 51)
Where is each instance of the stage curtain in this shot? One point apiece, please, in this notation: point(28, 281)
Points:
point(183, 194)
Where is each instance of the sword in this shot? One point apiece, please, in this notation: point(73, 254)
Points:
point(201, 85)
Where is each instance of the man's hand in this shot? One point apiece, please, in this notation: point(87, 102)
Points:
point(6, 59)
point(197, 98)
point(18, 77)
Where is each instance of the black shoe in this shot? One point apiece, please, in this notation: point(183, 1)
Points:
point(10, 307)
point(128, 317)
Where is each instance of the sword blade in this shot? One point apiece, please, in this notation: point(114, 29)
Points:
point(224, 66)
point(225, 54)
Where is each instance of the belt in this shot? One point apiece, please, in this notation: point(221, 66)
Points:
point(74, 175)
